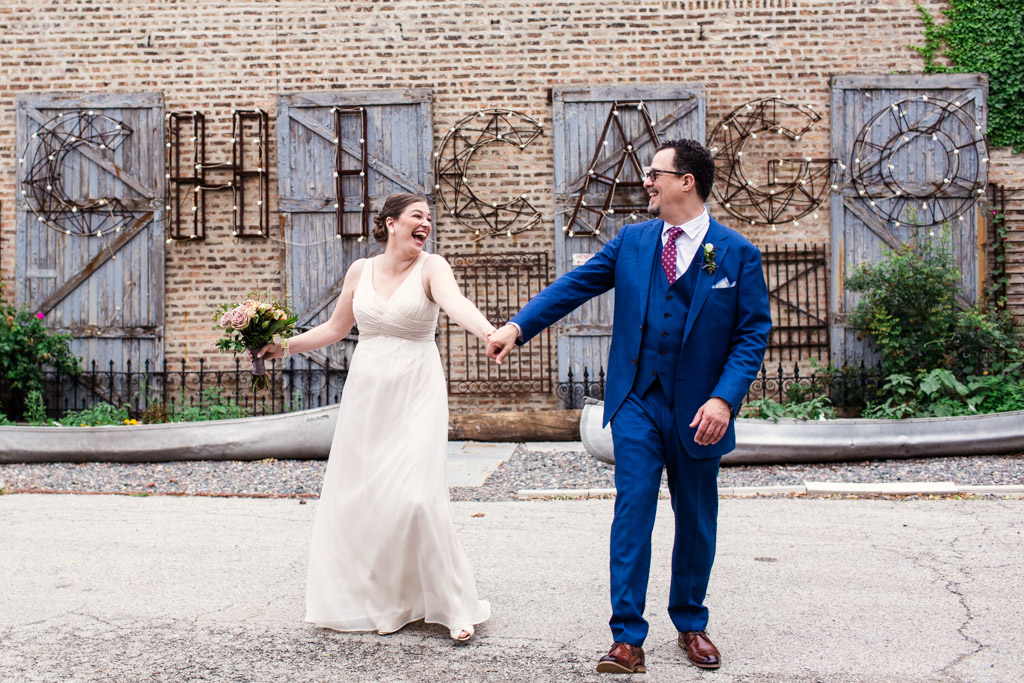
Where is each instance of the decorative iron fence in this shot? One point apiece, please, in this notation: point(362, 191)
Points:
point(296, 384)
point(500, 285)
point(797, 278)
point(850, 386)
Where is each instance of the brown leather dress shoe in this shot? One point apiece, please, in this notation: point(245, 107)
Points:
point(699, 650)
point(623, 658)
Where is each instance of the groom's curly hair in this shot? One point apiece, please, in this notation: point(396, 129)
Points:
point(393, 207)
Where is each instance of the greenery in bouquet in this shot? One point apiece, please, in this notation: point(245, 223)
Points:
point(251, 325)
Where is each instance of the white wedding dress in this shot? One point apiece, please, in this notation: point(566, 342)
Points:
point(384, 551)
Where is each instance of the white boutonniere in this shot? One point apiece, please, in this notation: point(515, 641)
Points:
point(710, 253)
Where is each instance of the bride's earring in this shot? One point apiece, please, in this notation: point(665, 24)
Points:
point(391, 231)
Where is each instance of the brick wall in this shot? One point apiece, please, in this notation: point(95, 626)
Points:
point(490, 53)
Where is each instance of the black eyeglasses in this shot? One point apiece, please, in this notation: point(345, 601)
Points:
point(653, 173)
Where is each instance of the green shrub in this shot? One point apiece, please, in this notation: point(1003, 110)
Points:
point(938, 393)
point(908, 308)
point(99, 414)
point(768, 409)
point(35, 408)
point(213, 405)
point(26, 347)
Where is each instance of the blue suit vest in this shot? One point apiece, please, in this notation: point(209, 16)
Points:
point(661, 341)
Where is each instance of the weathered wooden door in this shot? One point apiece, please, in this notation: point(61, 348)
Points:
point(89, 245)
point(385, 134)
point(912, 165)
point(602, 140)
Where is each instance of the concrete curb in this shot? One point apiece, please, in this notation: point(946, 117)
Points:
point(811, 488)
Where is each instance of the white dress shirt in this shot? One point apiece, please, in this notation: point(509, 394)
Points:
point(688, 241)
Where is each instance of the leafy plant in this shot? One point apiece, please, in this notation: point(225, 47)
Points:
point(938, 393)
point(26, 347)
point(35, 408)
point(99, 414)
point(999, 279)
point(769, 409)
point(213, 405)
point(156, 412)
point(909, 309)
point(983, 36)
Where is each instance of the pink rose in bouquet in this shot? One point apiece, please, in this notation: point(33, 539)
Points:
point(251, 325)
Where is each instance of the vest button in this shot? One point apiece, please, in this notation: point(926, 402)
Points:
point(634, 361)
point(655, 373)
point(668, 297)
point(641, 328)
point(661, 353)
point(668, 315)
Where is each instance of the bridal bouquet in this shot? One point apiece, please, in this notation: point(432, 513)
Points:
point(251, 325)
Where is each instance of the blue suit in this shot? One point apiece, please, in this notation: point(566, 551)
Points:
point(672, 349)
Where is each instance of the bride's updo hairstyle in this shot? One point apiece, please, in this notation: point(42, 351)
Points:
point(393, 207)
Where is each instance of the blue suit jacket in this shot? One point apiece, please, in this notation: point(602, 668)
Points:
point(725, 334)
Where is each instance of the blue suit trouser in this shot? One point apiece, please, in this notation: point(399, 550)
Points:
point(646, 441)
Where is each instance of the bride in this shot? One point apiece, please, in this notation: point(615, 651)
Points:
point(384, 551)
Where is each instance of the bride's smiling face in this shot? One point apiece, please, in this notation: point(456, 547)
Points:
point(412, 227)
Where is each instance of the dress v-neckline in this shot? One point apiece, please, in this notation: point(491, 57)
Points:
point(373, 287)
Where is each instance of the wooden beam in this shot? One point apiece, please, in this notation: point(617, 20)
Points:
point(355, 151)
point(872, 222)
point(98, 260)
point(332, 293)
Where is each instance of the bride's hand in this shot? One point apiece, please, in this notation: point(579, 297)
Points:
point(270, 352)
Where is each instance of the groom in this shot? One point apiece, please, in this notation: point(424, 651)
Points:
point(690, 330)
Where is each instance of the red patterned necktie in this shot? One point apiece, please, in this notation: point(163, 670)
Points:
point(668, 254)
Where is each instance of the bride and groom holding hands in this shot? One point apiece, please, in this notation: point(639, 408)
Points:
point(690, 329)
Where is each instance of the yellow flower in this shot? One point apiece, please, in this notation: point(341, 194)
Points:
point(134, 421)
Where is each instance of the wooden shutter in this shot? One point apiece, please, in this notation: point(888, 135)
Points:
point(106, 290)
point(580, 118)
point(398, 140)
point(889, 105)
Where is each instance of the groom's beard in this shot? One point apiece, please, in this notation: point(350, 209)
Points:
point(656, 211)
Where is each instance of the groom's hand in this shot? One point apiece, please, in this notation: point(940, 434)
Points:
point(501, 342)
point(711, 421)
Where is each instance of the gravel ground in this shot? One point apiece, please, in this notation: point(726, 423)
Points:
point(524, 470)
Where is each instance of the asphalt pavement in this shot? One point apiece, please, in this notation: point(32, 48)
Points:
point(123, 588)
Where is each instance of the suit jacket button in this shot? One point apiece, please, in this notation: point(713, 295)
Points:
point(641, 328)
point(668, 298)
point(634, 361)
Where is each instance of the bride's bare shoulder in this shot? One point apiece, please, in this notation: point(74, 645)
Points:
point(436, 262)
point(356, 269)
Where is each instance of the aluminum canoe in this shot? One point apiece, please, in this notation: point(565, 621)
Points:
point(301, 435)
point(794, 441)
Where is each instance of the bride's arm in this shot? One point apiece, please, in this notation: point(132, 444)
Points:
point(443, 290)
point(334, 330)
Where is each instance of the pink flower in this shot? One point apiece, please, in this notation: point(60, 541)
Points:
point(240, 317)
point(225, 320)
point(40, 315)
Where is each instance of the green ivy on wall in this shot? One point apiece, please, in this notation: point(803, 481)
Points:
point(984, 36)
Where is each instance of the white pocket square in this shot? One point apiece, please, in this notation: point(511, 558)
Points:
point(724, 283)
